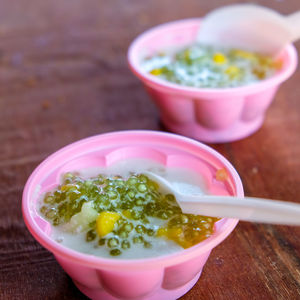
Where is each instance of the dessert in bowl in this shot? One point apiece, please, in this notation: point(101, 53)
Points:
point(210, 94)
point(165, 272)
point(118, 211)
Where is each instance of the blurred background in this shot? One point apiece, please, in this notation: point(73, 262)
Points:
point(64, 76)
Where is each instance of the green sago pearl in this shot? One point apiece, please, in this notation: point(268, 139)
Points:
point(108, 189)
point(143, 178)
point(125, 244)
point(150, 232)
point(90, 235)
point(142, 188)
point(62, 209)
point(57, 196)
point(138, 239)
point(120, 184)
point(145, 220)
point(73, 195)
point(123, 234)
point(132, 181)
point(148, 197)
point(101, 242)
point(147, 245)
point(139, 201)
point(162, 215)
point(56, 221)
point(131, 193)
point(43, 210)
point(88, 183)
point(170, 212)
point(68, 175)
point(170, 197)
point(92, 224)
point(68, 178)
point(112, 195)
point(115, 252)
point(121, 221)
point(49, 199)
point(128, 227)
point(140, 229)
point(136, 215)
point(112, 242)
point(103, 198)
point(51, 213)
point(151, 206)
point(100, 179)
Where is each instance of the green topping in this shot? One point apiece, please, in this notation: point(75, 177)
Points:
point(209, 67)
point(147, 245)
point(112, 242)
point(125, 244)
point(90, 235)
point(116, 212)
point(115, 252)
point(142, 188)
point(140, 229)
point(138, 239)
point(128, 227)
point(101, 242)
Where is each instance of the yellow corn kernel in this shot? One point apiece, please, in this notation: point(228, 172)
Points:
point(156, 72)
point(219, 58)
point(232, 71)
point(105, 222)
point(222, 175)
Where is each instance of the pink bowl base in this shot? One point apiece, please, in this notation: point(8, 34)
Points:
point(158, 278)
point(213, 120)
point(154, 284)
point(160, 293)
point(235, 132)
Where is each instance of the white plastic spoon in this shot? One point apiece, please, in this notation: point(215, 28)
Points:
point(249, 27)
point(247, 209)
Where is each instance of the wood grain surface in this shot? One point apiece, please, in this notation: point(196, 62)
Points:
point(64, 76)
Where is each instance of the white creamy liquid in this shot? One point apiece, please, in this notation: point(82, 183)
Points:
point(184, 180)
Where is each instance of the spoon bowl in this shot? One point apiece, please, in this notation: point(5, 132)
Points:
point(240, 26)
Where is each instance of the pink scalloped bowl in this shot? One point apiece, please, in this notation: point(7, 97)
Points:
point(158, 278)
point(207, 114)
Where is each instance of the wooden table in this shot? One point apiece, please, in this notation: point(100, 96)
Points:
point(64, 76)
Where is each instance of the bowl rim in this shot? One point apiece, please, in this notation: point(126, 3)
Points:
point(118, 264)
point(134, 65)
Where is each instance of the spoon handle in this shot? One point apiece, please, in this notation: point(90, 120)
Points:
point(294, 23)
point(247, 209)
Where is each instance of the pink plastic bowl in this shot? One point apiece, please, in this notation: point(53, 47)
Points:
point(209, 115)
point(159, 278)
